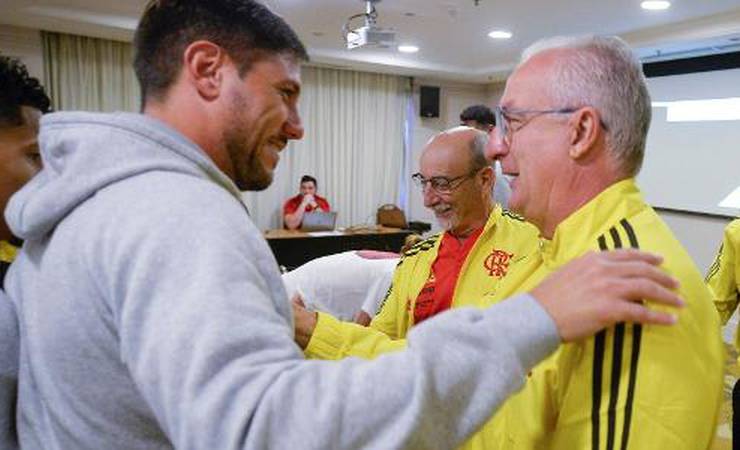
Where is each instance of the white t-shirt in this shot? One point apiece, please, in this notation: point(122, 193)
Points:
point(342, 284)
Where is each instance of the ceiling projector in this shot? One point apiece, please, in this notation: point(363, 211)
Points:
point(370, 34)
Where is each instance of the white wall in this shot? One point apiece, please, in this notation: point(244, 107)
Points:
point(453, 98)
point(701, 146)
point(701, 235)
point(24, 44)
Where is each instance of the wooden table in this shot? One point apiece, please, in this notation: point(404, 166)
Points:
point(294, 247)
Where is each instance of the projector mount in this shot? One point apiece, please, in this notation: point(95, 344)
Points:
point(369, 34)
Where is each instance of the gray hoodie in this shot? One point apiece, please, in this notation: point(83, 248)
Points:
point(9, 347)
point(152, 316)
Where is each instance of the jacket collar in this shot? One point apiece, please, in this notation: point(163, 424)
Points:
point(578, 233)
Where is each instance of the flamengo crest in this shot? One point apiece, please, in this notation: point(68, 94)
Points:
point(497, 263)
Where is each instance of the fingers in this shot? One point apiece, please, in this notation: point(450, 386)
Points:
point(630, 254)
point(636, 312)
point(603, 288)
point(640, 289)
point(642, 270)
point(297, 300)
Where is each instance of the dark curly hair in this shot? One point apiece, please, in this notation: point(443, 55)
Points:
point(246, 29)
point(309, 179)
point(17, 89)
point(480, 113)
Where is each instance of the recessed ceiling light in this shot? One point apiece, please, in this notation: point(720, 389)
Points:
point(500, 34)
point(408, 48)
point(655, 5)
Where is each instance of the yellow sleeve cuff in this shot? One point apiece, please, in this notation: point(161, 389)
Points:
point(334, 339)
point(327, 338)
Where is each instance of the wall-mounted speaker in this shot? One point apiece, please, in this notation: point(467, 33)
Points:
point(429, 101)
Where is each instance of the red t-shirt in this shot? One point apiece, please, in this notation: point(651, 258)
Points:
point(292, 204)
point(436, 295)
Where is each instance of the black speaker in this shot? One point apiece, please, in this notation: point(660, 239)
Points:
point(429, 101)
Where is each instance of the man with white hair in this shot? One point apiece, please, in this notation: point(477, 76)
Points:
point(571, 131)
point(462, 266)
point(164, 324)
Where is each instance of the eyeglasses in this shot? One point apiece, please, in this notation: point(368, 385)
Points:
point(441, 185)
point(504, 126)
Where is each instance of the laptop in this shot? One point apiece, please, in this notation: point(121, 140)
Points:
point(319, 221)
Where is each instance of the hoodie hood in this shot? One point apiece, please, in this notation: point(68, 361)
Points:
point(85, 152)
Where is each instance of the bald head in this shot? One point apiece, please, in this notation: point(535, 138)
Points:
point(457, 179)
point(463, 146)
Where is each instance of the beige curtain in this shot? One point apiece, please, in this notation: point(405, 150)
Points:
point(354, 124)
point(353, 146)
point(83, 73)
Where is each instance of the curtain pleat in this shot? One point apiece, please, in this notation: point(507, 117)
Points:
point(353, 145)
point(84, 73)
point(354, 122)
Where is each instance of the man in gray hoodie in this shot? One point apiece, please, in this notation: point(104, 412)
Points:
point(151, 311)
point(22, 101)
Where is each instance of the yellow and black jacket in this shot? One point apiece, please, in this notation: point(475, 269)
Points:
point(724, 274)
point(505, 242)
point(652, 387)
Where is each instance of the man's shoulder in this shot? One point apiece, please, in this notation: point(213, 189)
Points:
point(166, 186)
point(512, 221)
point(732, 230)
point(647, 231)
point(292, 203)
point(322, 202)
point(422, 247)
point(512, 230)
point(162, 200)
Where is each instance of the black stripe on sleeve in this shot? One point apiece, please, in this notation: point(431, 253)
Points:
point(615, 237)
point(714, 268)
point(602, 243)
point(616, 376)
point(596, 387)
point(4, 266)
point(636, 339)
point(630, 233)
point(597, 375)
point(617, 350)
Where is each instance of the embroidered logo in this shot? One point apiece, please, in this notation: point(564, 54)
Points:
point(497, 263)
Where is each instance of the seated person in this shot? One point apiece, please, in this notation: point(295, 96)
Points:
point(306, 201)
point(481, 117)
point(22, 101)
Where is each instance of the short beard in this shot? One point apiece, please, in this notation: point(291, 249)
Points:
point(249, 174)
point(445, 224)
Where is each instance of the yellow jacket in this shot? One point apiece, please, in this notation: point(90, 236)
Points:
point(724, 274)
point(653, 387)
point(7, 252)
point(505, 242)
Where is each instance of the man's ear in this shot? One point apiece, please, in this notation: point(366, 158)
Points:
point(586, 131)
point(203, 62)
point(488, 177)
